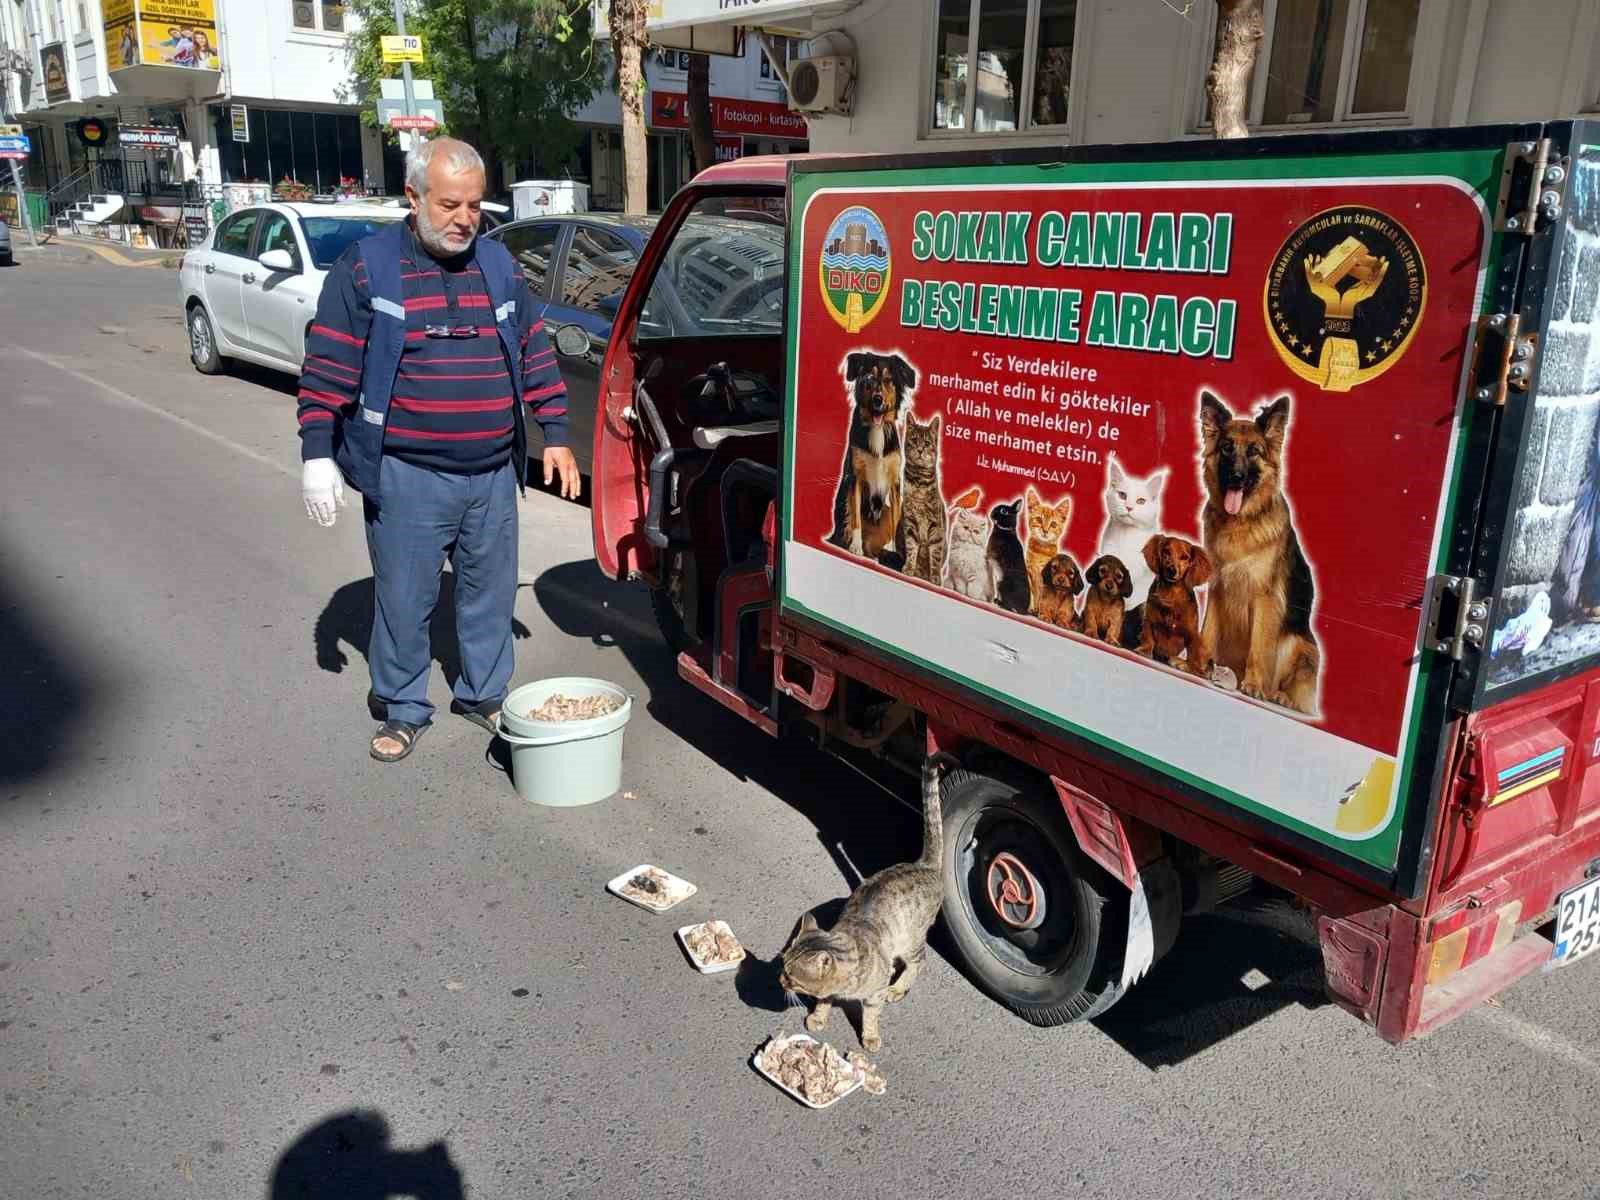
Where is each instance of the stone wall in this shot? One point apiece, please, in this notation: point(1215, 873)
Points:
point(1567, 411)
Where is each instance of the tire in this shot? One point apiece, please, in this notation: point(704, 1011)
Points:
point(203, 351)
point(665, 601)
point(1053, 960)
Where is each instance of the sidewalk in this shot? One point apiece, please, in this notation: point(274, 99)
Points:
point(68, 247)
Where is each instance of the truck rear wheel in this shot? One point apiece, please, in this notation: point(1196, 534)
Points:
point(1035, 922)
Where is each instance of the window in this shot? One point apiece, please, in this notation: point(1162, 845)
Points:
point(329, 237)
point(599, 264)
point(277, 234)
point(533, 246)
point(324, 16)
point(722, 274)
point(1328, 61)
point(1002, 65)
point(233, 235)
point(787, 48)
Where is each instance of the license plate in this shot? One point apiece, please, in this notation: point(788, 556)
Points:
point(1578, 923)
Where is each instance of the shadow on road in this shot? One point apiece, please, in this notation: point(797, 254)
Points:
point(1226, 972)
point(277, 381)
point(44, 695)
point(348, 1157)
point(346, 620)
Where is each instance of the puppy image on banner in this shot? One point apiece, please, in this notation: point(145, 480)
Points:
point(866, 507)
point(1106, 604)
point(1171, 612)
point(1060, 584)
point(1259, 608)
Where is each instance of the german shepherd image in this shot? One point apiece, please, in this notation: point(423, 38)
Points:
point(1258, 611)
point(866, 507)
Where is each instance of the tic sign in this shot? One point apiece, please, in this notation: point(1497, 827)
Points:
point(402, 48)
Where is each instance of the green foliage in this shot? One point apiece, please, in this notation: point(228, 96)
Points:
point(509, 72)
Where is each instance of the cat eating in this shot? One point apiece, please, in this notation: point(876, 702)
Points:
point(877, 946)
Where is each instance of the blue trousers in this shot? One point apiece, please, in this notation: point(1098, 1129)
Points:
point(426, 516)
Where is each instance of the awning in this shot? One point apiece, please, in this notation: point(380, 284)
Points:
point(712, 26)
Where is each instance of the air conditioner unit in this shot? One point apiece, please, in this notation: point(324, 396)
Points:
point(822, 85)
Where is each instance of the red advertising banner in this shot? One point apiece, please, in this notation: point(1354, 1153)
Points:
point(1164, 462)
point(747, 118)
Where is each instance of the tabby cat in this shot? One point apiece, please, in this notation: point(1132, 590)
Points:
point(877, 946)
point(922, 527)
point(1008, 568)
point(1046, 525)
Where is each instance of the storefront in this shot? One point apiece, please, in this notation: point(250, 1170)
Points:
point(317, 150)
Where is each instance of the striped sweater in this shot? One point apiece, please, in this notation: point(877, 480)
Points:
point(451, 408)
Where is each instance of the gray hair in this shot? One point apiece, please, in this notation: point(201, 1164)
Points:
point(458, 156)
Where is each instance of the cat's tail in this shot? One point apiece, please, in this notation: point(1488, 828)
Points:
point(932, 813)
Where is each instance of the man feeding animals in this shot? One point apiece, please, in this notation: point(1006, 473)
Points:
point(426, 346)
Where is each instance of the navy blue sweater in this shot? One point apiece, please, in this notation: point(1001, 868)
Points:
point(451, 408)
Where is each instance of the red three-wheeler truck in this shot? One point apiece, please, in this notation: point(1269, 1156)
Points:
point(1230, 509)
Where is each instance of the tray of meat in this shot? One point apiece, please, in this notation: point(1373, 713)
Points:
point(813, 1072)
point(711, 947)
point(651, 888)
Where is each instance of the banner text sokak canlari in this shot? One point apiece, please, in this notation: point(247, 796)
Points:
point(1178, 243)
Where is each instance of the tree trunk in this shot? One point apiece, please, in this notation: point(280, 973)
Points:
point(701, 135)
point(1240, 29)
point(627, 43)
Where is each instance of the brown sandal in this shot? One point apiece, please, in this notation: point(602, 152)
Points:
point(396, 731)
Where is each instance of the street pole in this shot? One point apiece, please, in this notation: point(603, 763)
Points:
point(22, 204)
point(405, 67)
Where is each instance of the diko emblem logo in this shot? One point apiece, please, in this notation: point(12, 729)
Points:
point(1344, 297)
point(855, 268)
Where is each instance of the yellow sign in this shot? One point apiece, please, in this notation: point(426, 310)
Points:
point(402, 47)
point(162, 33)
point(10, 130)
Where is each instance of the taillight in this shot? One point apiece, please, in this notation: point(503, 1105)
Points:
point(1462, 943)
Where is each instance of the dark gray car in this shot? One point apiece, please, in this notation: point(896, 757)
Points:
point(6, 256)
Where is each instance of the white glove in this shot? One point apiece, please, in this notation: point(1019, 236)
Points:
point(322, 488)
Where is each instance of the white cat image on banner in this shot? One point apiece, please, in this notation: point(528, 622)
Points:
point(1133, 514)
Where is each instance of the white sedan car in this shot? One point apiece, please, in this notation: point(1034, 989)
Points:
point(251, 292)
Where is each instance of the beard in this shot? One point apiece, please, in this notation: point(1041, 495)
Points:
point(436, 241)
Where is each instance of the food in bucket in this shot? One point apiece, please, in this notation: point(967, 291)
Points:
point(811, 1069)
point(575, 708)
point(712, 944)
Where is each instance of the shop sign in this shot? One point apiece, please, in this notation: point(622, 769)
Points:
point(747, 118)
point(53, 66)
point(161, 33)
point(239, 117)
point(155, 137)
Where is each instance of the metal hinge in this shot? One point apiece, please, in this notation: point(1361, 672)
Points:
point(1456, 620)
point(1533, 184)
point(1509, 367)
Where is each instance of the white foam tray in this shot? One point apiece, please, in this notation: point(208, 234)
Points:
point(755, 1061)
point(678, 890)
point(714, 968)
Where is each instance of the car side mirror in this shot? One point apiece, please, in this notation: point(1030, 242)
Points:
point(278, 262)
point(573, 341)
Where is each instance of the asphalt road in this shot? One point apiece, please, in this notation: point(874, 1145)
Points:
point(238, 959)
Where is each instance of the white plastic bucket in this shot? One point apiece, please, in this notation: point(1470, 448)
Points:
point(564, 764)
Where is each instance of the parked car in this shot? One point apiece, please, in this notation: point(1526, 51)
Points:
point(251, 291)
point(723, 274)
point(7, 257)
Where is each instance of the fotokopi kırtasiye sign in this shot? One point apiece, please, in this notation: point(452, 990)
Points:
point(161, 33)
point(1159, 454)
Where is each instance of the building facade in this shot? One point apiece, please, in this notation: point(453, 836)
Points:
point(257, 92)
point(984, 74)
point(750, 115)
